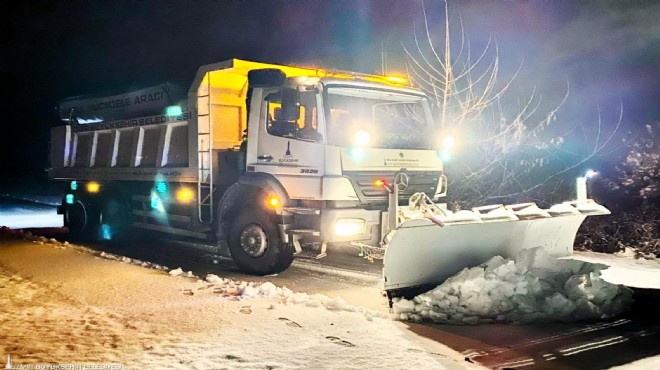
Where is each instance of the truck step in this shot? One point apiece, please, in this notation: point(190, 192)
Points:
point(304, 232)
point(312, 255)
point(302, 210)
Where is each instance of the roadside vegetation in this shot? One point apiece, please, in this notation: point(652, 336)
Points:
point(516, 149)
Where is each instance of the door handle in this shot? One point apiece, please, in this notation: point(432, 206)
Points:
point(266, 157)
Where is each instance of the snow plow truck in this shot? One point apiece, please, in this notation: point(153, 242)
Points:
point(272, 162)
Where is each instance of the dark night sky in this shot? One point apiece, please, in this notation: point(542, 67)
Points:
point(608, 51)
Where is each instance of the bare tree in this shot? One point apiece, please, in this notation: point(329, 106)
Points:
point(511, 150)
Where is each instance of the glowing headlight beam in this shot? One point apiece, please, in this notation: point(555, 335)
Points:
point(348, 227)
point(448, 142)
point(361, 138)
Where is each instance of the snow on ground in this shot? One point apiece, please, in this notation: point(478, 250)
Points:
point(624, 268)
point(22, 214)
point(61, 303)
point(32, 206)
point(530, 288)
point(643, 364)
point(32, 219)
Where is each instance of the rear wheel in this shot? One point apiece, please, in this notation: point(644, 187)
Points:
point(255, 245)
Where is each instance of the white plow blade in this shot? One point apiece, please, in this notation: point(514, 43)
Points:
point(423, 253)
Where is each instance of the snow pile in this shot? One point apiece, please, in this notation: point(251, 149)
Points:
point(243, 290)
point(533, 287)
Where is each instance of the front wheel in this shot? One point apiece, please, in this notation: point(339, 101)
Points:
point(255, 245)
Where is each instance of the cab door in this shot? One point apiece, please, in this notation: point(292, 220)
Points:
point(292, 150)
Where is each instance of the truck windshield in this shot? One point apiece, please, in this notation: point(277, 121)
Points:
point(378, 119)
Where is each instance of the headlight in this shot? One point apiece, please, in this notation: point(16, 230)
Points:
point(448, 142)
point(349, 226)
point(361, 138)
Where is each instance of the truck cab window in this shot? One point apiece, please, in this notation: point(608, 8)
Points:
point(394, 120)
point(305, 128)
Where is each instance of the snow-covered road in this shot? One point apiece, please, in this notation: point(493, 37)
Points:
point(64, 304)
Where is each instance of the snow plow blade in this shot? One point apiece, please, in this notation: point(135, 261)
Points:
point(422, 254)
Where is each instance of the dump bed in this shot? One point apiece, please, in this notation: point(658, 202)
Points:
point(159, 132)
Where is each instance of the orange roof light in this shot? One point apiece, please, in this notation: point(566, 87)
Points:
point(397, 80)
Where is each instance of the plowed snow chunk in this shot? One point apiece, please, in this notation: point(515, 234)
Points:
point(268, 289)
point(249, 291)
point(298, 298)
point(322, 299)
point(400, 306)
point(339, 304)
point(532, 287)
point(215, 279)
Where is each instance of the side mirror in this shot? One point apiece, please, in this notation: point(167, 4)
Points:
point(290, 104)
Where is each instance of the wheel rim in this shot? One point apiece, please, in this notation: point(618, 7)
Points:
point(254, 240)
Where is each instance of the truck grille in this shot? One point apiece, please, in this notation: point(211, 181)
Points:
point(363, 183)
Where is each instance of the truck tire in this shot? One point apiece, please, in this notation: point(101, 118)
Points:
point(76, 218)
point(255, 245)
point(115, 223)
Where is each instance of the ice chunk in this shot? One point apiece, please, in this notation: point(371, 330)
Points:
point(403, 305)
point(558, 305)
